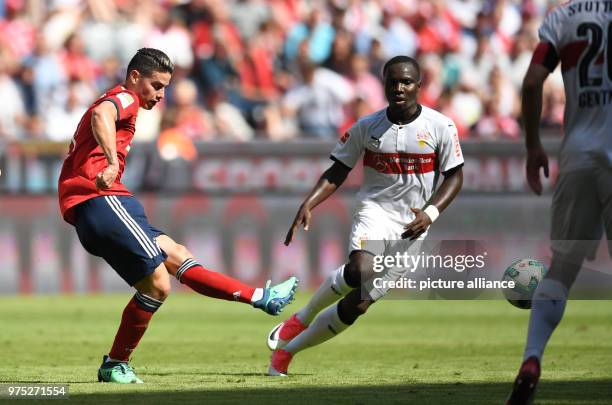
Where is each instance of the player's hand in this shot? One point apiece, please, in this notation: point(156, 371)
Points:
point(419, 225)
point(301, 218)
point(106, 178)
point(536, 159)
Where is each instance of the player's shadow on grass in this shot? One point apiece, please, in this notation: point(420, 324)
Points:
point(262, 374)
point(551, 392)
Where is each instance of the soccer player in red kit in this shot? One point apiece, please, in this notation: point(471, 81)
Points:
point(111, 223)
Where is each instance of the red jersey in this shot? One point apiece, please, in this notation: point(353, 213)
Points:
point(86, 159)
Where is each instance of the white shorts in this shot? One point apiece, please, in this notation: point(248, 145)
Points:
point(373, 231)
point(371, 227)
point(581, 209)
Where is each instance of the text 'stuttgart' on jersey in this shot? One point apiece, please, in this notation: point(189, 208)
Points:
point(86, 159)
point(401, 163)
point(578, 34)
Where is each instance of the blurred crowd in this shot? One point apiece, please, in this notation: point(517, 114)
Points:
point(268, 69)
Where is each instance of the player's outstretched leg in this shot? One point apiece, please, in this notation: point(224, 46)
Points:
point(150, 295)
point(548, 305)
point(332, 289)
point(271, 299)
point(331, 322)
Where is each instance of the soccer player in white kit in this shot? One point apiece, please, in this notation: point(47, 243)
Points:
point(405, 148)
point(577, 34)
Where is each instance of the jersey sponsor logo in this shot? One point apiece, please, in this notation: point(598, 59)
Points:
point(345, 137)
point(400, 163)
point(125, 99)
point(594, 98)
point(588, 7)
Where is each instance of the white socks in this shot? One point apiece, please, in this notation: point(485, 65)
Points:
point(547, 309)
point(331, 290)
point(326, 326)
point(257, 295)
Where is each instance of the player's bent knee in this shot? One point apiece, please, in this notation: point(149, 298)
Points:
point(159, 290)
point(352, 275)
point(162, 290)
point(156, 285)
point(564, 270)
point(358, 268)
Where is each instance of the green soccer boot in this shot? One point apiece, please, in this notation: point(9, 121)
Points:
point(117, 372)
point(277, 297)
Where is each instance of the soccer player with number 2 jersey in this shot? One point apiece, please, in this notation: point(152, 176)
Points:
point(577, 34)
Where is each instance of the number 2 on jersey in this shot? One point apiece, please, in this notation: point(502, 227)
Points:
point(596, 36)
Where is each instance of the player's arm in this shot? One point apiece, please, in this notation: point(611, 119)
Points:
point(531, 108)
point(543, 61)
point(329, 182)
point(442, 197)
point(103, 119)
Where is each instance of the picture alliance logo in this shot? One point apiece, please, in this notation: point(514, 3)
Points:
point(427, 261)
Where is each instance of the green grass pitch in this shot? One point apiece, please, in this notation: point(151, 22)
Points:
point(199, 350)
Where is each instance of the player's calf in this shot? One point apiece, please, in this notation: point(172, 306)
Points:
point(353, 306)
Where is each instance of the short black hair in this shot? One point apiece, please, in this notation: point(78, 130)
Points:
point(402, 59)
point(149, 60)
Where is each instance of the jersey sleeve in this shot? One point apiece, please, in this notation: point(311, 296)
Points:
point(449, 150)
point(547, 50)
point(545, 55)
point(125, 103)
point(349, 148)
point(551, 29)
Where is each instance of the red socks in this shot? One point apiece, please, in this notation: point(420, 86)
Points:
point(140, 309)
point(213, 284)
point(134, 322)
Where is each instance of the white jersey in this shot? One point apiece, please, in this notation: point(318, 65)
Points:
point(580, 33)
point(401, 162)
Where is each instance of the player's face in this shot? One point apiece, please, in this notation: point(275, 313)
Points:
point(150, 89)
point(401, 85)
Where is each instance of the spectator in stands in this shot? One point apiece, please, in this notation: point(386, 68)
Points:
point(61, 120)
point(317, 103)
point(189, 117)
point(319, 33)
point(365, 85)
point(339, 57)
point(17, 33)
point(12, 114)
point(78, 66)
point(247, 56)
point(170, 35)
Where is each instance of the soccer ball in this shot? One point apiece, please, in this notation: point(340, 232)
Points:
point(526, 274)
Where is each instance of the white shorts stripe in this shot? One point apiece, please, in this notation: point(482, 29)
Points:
point(128, 226)
point(137, 227)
